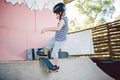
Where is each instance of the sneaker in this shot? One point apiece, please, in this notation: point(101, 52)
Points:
point(41, 53)
point(55, 67)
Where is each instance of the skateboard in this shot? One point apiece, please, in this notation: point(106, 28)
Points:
point(47, 64)
point(45, 61)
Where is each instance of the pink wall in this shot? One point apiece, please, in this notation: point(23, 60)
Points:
point(20, 29)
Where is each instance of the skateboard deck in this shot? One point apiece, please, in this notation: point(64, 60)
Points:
point(48, 65)
point(45, 61)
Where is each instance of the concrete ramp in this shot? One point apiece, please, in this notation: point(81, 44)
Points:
point(81, 68)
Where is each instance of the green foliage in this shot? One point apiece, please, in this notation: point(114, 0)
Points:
point(96, 11)
point(74, 25)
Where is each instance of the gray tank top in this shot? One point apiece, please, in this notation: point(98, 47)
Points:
point(61, 35)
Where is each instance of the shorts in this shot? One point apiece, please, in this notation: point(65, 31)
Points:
point(55, 46)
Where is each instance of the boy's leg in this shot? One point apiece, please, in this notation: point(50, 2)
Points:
point(46, 50)
point(55, 51)
point(55, 61)
point(49, 45)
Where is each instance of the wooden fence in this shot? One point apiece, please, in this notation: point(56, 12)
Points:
point(106, 39)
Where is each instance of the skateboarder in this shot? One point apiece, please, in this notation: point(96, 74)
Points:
point(61, 33)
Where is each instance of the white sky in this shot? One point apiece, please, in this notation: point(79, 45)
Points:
point(117, 6)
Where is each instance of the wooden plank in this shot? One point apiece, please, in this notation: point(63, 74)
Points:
point(116, 54)
point(100, 42)
point(97, 30)
point(100, 37)
point(115, 35)
point(117, 31)
point(116, 51)
point(102, 50)
point(115, 40)
point(114, 30)
point(100, 33)
point(101, 46)
point(114, 26)
point(116, 45)
point(100, 26)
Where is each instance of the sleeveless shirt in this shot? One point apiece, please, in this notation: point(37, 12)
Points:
point(61, 35)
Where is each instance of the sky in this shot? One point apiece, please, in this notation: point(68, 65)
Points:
point(117, 7)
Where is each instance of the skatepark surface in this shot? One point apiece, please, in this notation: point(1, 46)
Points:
point(80, 68)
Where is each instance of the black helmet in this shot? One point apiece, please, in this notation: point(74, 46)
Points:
point(59, 8)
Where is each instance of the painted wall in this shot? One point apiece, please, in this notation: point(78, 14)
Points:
point(20, 29)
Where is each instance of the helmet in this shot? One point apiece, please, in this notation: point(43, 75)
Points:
point(59, 8)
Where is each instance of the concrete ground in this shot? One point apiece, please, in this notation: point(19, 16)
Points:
point(82, 68)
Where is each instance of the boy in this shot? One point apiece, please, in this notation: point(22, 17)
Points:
point(61, 33)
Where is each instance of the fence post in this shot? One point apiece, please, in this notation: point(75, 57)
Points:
point(109, 41)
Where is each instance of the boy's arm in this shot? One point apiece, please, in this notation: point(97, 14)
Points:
point(59, 26)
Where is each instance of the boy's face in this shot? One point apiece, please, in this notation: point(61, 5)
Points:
point(57, 15)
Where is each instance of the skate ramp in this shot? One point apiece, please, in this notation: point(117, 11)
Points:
point(81, 68)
